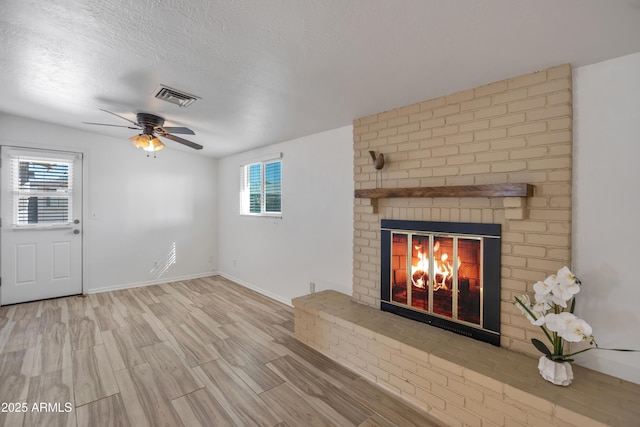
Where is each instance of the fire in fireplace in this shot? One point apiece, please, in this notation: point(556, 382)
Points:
point(444, 274)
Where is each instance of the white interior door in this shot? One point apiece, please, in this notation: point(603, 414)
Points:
point(41, 230)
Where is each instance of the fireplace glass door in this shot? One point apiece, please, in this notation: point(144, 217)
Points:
point(445, 274)
point(437, 274)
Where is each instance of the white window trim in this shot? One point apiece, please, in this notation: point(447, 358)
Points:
point(273, 158)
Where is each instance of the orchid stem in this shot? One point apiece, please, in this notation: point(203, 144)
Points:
point(551, 340)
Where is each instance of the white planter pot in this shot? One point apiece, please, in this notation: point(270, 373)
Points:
point(558, 373)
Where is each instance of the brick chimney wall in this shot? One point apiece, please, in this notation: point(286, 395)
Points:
point(513, 131)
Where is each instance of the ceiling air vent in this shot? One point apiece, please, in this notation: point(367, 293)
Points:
point(173, 96)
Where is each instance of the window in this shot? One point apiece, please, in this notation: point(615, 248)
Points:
point(41, 190)
point(261, 188)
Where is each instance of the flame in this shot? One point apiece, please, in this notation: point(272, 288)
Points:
point(442, 267)
point(445, 269)
point(422, 265)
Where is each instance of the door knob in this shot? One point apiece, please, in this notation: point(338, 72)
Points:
point(76, 221)
point(76, 231)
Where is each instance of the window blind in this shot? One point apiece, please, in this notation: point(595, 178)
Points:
point(42, 189)
point(272, 186)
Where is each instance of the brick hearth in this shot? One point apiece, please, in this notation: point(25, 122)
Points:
point(456, 379)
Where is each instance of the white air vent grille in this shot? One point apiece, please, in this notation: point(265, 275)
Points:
point(173, 96)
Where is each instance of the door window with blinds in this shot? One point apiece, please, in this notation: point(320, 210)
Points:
point(261, 188)
point(42, 190)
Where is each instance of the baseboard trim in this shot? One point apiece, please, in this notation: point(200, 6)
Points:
point(150, 282)
point(256, 288)
point(188, 277)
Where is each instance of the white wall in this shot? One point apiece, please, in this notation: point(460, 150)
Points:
point(313, 239)
point(606, 212)
point(143, 206)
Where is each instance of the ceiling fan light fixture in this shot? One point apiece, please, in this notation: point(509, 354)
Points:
point(149, 124)
point(154, 145)
point(140, 141)
point(147, 142)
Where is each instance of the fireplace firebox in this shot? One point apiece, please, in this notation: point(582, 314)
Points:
point(443, 273)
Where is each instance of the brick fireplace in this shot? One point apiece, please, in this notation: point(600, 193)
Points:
point(516, 131)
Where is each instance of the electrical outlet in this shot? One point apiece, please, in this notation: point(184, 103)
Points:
point(312, 287)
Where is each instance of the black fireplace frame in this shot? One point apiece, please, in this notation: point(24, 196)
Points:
point(490, 330)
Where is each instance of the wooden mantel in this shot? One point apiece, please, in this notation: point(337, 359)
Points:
point(489, 190)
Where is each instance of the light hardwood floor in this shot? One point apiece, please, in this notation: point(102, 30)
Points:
point(203, 352)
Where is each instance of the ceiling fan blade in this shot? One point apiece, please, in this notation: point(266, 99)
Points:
point(181, 130)
point(117, 126)
point(123, 118)
point(182, 141)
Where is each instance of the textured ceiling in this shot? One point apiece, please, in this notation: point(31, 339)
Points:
point(270, 71)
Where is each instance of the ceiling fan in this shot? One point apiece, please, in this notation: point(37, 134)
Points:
point(150, 125)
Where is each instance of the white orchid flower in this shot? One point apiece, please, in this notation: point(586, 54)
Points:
point(524, 300)
point(569, 285)
point(576, 331)
point(553, 300)
point(566, 276)
point(559, 322)
point(566, 290)
point(543, 288)
point(542, 304)
point(527, 303)
point(539, 321)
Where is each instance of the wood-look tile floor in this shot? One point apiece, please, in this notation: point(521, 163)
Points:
point(203, 352)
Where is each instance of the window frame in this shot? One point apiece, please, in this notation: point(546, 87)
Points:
point(245, 191)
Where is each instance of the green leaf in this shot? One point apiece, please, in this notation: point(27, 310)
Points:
point(541, 347)
point(560, 358)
